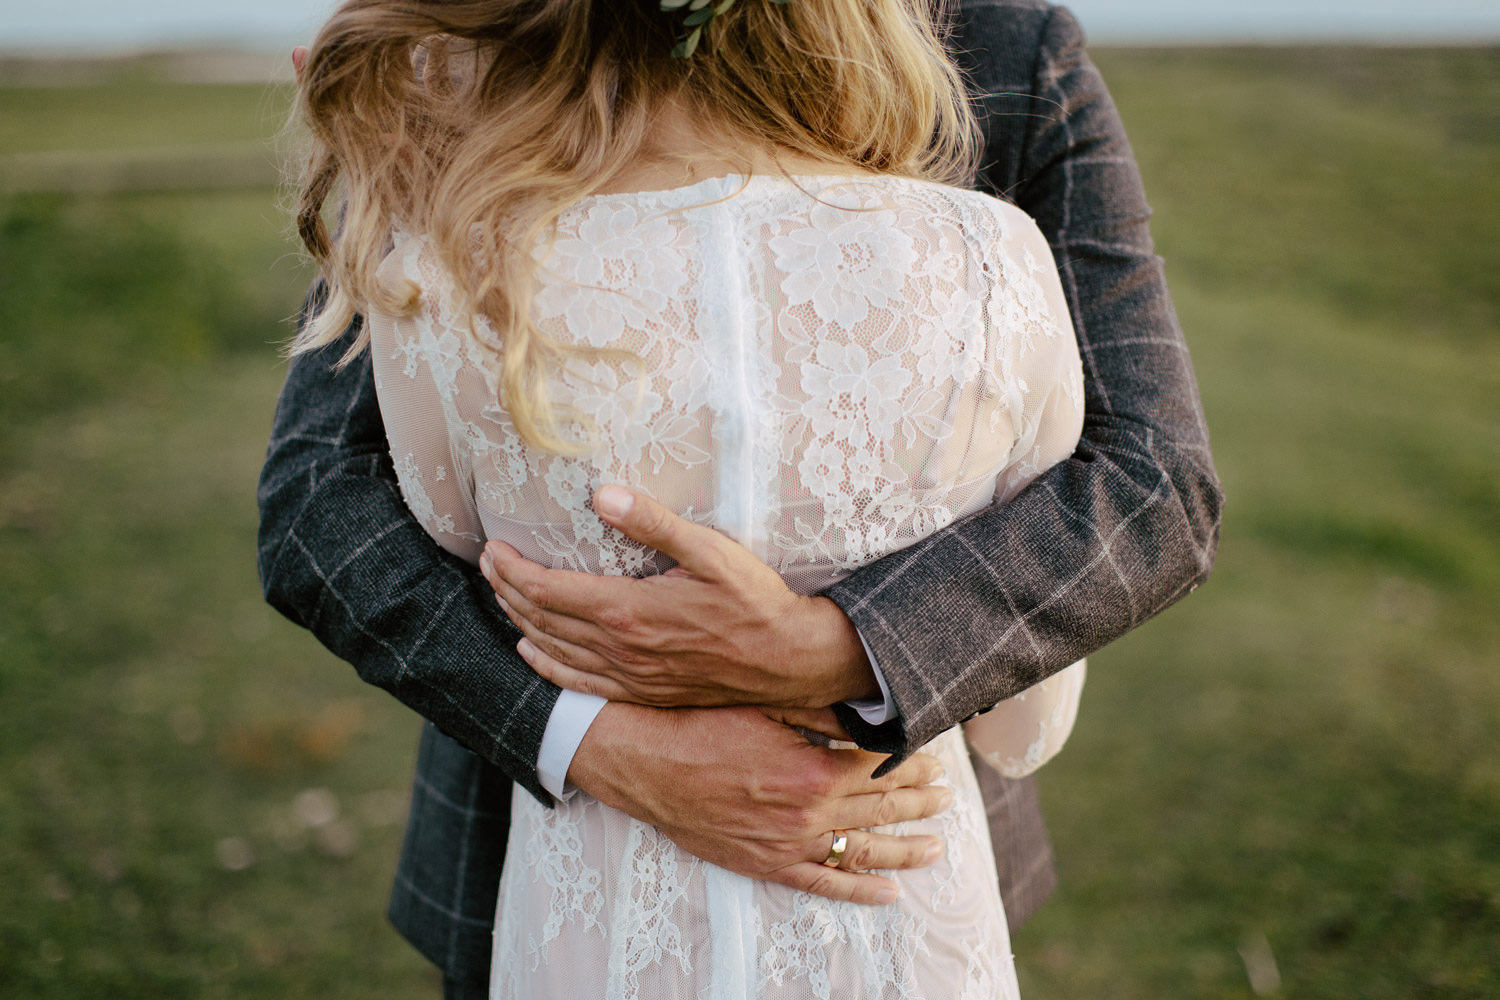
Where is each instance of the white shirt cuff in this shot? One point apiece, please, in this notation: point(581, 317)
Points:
point(571, 718)
point(872, 711)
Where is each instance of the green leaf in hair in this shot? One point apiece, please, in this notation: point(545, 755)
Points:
point(700, 14)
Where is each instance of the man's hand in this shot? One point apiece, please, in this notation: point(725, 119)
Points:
point(735, 787)
point(719, 628)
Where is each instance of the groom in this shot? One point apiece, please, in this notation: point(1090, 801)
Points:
point(971, 615)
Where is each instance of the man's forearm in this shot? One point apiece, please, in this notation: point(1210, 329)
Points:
point(746, 792)
point(1108, 538)
point(340, 554)
point(721, 627)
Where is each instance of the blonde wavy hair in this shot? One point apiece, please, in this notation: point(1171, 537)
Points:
point(477, 122)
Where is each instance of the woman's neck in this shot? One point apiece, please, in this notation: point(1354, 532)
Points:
point(680, 152)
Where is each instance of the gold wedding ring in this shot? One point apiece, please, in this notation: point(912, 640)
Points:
point(836, 852)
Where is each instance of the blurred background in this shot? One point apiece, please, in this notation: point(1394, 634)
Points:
point(1288, 785)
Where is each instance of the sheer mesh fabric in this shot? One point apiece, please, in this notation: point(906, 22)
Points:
point(829, 369)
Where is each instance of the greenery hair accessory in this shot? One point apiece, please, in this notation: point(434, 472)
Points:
point(700, 13)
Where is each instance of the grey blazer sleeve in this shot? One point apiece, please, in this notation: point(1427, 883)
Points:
point(1130, 523)
point(340, 554)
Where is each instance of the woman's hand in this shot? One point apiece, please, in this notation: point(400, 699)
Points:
point(720, 628)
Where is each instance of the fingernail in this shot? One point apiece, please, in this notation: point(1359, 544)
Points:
point(503, 606)
point(486, 564)
point(613, 501)
point(936, 773)
point(946, 798)
point(885, 897)
point(934, 852)
point(526, 649)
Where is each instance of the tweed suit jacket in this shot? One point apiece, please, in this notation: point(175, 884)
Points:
point(968, 617)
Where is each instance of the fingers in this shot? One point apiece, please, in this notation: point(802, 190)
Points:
point(815, 720)
point(852, 881)
point(866, 850)
point(693, 546)
point(564, 676)
point(575, 653)
point(853, 769)
point(918, 769)
point(835, 883)
point(901, 805)
point(533, 597)
point(572, 641)
point(553, 599)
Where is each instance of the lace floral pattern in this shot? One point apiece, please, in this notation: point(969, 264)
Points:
point(1022, 733)
point(554, 853)
point(620, 270)
point(828, 370)
point(858, 951)
point(646, 930)
point(409, 474)
point(845, 263)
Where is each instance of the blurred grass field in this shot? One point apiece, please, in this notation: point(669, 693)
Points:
point(1289, 782)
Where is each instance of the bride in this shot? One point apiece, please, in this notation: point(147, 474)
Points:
point(721, 253)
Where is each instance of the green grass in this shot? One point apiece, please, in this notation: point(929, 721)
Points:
point(1305, 749)
point(136, 111)
point(156, 709)
point(161, 721)
point(1302, 752)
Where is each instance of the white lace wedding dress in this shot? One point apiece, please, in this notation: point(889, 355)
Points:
point(829, 370)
